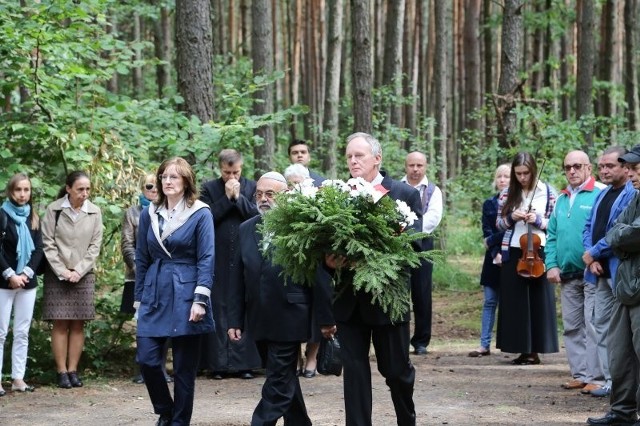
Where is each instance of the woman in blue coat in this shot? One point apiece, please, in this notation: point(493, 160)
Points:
point(490, 275)
point(174, 277)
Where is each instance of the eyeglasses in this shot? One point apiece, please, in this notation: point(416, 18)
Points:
point(576, 167)
point(169, 177)
point(269, 194)
point(149, 186)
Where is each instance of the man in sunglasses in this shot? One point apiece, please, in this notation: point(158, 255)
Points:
point(563, 259)
point(231, 200)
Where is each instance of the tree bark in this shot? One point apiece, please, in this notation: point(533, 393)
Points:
point(487, 40)
point(194, 57)
point(584, 78)
point(361, 66)
point(332, 88)
point(510, 63)
point(162, 45)
point(393, 56)
point(441, 80)
point(262, 54)
point(630, 63)
point(137, 77)
point(473, 97)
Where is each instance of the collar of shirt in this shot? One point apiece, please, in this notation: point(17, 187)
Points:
point(67, 204)
point(422, 184)
point(377, 180)
point(170, 214)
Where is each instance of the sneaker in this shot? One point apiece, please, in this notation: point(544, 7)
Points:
point(602, 392)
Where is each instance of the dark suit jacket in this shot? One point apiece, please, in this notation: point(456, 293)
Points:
point(491, 273)
point(276, 311)
point(317, 179)
point(347, 302)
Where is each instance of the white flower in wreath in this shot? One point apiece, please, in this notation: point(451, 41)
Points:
point(409, 217)
point(306, 188)
point(336, 183)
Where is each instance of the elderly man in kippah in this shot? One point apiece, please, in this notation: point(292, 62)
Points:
point(278, 313)
point(623, 345)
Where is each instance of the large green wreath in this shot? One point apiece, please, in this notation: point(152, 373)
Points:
point(308, 223)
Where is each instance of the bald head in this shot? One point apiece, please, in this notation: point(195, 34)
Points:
point(577, 168)
point(415, 166)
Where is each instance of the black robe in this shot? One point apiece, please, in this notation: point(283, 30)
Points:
point(219, 354)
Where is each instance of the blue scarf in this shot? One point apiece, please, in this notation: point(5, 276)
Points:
point(144, 201)
point(24, 247)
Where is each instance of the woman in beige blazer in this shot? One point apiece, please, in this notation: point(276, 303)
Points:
point(71, 235)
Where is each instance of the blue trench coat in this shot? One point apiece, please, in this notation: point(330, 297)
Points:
point(166, 285)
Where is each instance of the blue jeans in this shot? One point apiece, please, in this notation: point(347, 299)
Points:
point(491, 297)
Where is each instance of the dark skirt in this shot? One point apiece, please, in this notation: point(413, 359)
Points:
point(68, 301)
point(527, 313)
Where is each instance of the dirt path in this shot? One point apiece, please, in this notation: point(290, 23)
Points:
point(450, 389)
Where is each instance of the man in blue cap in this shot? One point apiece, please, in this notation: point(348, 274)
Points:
point(624, 328)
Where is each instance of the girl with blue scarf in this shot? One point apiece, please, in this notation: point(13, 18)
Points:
point(20, 255)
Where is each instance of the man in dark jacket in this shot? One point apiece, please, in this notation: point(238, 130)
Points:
point(624, 327)
point(358, 321)
point(277, 313)
point(231, 201)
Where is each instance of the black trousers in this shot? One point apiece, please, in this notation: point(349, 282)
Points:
point(391, 343)
point(186, 350)
point(281, 393)
point(421, 298)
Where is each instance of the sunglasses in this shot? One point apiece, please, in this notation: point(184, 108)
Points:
point(577, 167)
point(149, 186)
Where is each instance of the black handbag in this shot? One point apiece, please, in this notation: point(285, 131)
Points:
point(329, 357)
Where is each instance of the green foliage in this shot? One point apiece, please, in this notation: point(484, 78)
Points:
point(309, 223)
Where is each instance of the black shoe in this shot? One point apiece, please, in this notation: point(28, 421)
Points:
point(168, 378)
point(309, 374)
point(610, 418)
point(420, 350)
point(217, 375)
point(247, 374)
point(164, 420)
point(63, 381)
point(74, 379)
point(3, 392)
point(138, 380)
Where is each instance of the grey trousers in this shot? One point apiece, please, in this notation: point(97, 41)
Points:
point(624, 355)
point(579, 334)
point(602, 310)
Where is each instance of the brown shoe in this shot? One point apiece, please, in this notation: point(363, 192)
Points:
point(574, 384)
point(479, 352)
point(589, 387)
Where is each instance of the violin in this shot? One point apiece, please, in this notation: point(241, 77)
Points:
point(530, 264)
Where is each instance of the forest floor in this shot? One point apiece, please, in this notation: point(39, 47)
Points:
point(450, 389)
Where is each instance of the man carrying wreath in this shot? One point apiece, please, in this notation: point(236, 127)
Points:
point(357, 320)
point(277, 311)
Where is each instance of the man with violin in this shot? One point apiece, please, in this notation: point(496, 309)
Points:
point(623, 343)
point(563, 259)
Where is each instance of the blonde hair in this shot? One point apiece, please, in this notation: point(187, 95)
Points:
point(502, 168)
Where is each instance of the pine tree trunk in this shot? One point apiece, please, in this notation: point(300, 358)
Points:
point(441, 80)
point(586, 46)
point(361, 66)
point(162, 45)
point(630, 63)
point(473, 97)
point(194, 57)
point(262, 54)
point(332, 91)
point(137, 78)
point(510, 63)
point(393, 55)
